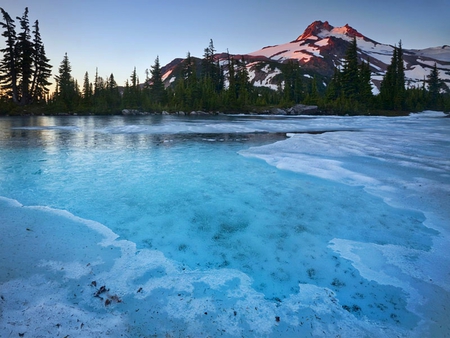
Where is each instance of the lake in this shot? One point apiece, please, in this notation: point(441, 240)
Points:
point(229, 226)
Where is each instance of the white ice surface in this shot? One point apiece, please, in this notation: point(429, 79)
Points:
point(46, 284)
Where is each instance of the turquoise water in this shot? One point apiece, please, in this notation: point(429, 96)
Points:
point(178, 187)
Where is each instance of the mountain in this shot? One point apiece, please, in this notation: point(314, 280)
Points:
point(321, 48)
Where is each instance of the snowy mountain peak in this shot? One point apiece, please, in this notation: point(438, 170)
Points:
point(315, 29)
point(319, 29)
point(346, 30)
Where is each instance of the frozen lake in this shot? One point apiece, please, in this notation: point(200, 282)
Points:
point(225, 226)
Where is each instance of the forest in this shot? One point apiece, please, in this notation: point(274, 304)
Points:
point(203, 84)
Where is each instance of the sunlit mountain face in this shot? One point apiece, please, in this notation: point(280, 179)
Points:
point(321, 48)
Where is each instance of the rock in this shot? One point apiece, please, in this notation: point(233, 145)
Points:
point(130, 111)
point(278, 111)
point(302, 109)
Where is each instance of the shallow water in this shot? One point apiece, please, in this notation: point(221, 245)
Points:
point(295, 216)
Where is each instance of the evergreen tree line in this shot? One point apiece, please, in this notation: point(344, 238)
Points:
point(201, 85)
point(24, 68)
point(207, 84)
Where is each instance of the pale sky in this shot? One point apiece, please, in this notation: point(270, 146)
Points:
point(116, 36)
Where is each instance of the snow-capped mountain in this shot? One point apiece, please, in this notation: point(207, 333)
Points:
point(322, 47)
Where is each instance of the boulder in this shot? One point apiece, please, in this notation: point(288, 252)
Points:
point(278, 111)
point(302, 109)
point(130, 111)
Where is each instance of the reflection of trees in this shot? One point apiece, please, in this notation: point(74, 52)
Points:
point(107, 132)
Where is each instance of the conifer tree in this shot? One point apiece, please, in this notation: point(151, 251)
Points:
point(400, 79)
point(99, 95)
point(66, 95)
point(191, 83)
point(25, 52)
point(350, 74)
point(392, 88)
point(365, 86)
point(312, 96)
point(157, 90)
point(24, 69)
point(433, 87)
point(334, 88)
point(132, 93)
point(145, 93)
point(288, 89)
point(232, 86)
point(243, 84)
point(8, 65)
point(87, 91)
point(126, 99)
point(211, 68)
point(298, 85)
point(113, 98)
point(42, 68)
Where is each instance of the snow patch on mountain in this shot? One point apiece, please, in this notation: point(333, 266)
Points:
point(438, 53)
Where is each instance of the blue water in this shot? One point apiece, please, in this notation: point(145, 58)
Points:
point(190, 195)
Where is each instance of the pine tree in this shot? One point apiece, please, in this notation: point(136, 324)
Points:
point(243, 84)
point(87, 91)
point(312, 96)
point(66, 95)
point(334, 88)
point(25, 52)
point(25, 69)
point(388, 85)
point(350, 73)
point(433, 87)
point(399, 79)
point(126, 99)
point(8, 65)
point(392, 88)
point(211, 68)
point(135, 90)
point(298, 85)
point(42, 68)
point(113, 98)
point(289, 80)
point(232, 86)
point(191, 83)
point(157, 90)
point(365, 86)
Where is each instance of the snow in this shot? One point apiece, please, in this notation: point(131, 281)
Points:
point(340, 228)
point(267, 79)
point(439, 53)
point(385, 58)
point(167, 74)
point(417, 72)
point(292, 50)
point(323, 42)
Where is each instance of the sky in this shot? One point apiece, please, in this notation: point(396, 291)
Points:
point(115, 36)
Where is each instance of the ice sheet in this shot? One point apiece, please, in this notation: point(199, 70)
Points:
point(349, 238)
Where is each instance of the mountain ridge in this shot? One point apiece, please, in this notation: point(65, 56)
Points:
point(321, 48)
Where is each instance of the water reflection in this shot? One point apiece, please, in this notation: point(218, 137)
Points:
point(51, 132)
